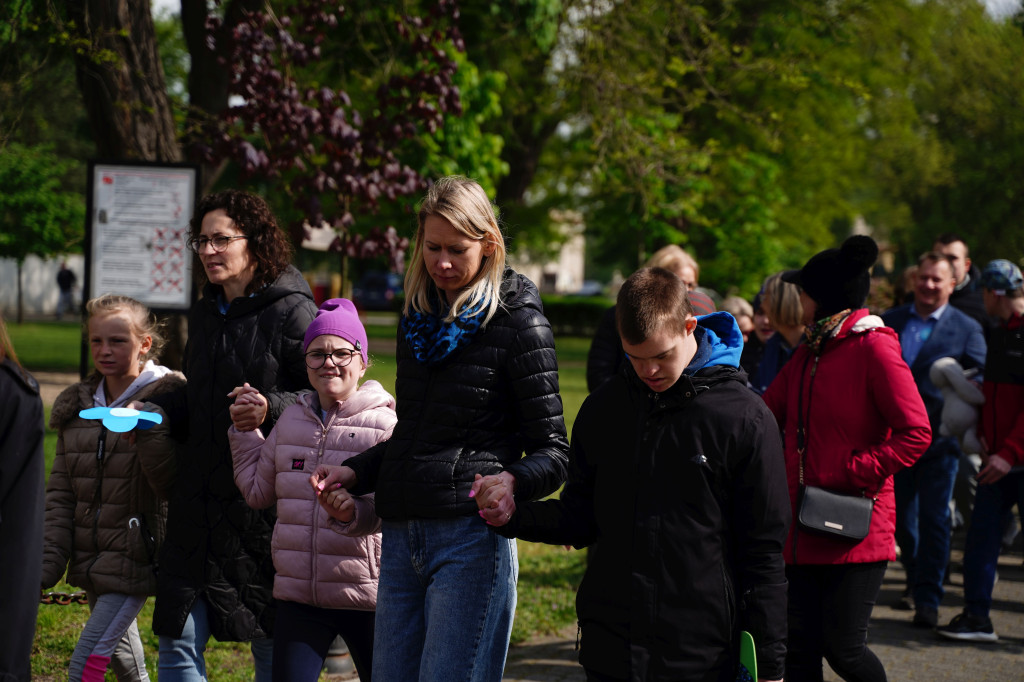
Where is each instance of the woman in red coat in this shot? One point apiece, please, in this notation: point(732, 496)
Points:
point(850, 400)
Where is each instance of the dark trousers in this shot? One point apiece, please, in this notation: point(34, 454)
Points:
point(829, 609)
point(303, 634)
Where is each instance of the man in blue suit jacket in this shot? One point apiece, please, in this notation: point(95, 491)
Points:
point(929, 329)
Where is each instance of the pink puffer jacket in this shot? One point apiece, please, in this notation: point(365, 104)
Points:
point(319, 561)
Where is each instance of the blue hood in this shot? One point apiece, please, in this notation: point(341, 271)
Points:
point(719, 342)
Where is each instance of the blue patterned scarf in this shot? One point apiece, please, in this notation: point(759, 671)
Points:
point(432, 339)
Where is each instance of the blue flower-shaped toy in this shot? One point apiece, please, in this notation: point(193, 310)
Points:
point(121, 419)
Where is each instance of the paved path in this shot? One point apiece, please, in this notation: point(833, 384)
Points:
point(908, 653)
point(52, 383)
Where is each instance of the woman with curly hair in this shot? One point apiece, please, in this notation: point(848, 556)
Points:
point(216, 573)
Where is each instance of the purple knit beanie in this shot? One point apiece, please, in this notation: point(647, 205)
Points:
point(337, 316)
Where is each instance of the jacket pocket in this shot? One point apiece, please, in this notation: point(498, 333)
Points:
point(142, 544)
point(373, 555)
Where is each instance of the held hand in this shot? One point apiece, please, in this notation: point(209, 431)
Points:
point(250, 408)
point(130, 437)
point(495, 497)
point(994, 468)
point(339, 504)
point(328, 478)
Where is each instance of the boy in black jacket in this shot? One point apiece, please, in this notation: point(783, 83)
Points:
point(676, 468)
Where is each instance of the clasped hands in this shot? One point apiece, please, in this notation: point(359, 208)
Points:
point(494, 494)
point(495, 497)
point(330, 484)
point(249, 409)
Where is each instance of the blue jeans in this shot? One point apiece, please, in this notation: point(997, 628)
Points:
point(985, 538)
point(923, 523)
point(446, 601)
point(181, 659)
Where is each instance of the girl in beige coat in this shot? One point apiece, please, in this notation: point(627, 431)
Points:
point(105, 512)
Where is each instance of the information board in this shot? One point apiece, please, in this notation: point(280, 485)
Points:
point(137, 224)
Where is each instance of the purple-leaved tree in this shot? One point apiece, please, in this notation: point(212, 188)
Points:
point(335, 158)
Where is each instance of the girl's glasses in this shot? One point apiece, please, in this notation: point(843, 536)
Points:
point(315, 359)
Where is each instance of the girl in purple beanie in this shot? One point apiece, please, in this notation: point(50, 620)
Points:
point(327, 568)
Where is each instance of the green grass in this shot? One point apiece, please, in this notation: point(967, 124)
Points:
point(548, 576)
point(47, 346)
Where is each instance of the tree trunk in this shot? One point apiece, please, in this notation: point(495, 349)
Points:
point(21, 310)
point(122, 81)
point(125, 94)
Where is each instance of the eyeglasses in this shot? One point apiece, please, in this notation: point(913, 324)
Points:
point(219, 243)
point(315, 359)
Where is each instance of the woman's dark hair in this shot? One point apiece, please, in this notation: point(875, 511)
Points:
point(268, 245)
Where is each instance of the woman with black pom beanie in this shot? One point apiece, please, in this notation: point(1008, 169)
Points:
point(852, 417)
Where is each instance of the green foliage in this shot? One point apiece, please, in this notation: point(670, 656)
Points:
point(969, 98)
point(36, 215)
point(39, 99)
point(174, 59)
point(753, 132)
point(575, 315)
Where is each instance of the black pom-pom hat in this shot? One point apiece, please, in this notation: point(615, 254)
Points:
point(837, 279)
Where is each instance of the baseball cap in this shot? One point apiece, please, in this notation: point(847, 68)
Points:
point(1001, 276)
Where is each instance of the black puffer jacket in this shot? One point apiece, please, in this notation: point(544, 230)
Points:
point(476, 413)
point(685, 494)
point(216, 545)
point(21, 517)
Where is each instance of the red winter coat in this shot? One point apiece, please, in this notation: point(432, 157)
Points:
point(1002, 415)
point(864, 421)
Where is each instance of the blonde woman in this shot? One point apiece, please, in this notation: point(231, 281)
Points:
point(781, 302)
point(477, 395)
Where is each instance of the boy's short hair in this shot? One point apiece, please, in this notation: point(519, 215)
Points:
point(652, 299)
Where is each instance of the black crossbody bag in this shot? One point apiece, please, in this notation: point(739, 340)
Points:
point(822, 511)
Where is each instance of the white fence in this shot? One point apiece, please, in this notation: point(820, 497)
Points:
point(38, 285)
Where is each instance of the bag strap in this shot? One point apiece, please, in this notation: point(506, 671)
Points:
point(801, 427)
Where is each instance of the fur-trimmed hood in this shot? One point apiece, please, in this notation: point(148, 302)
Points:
point(78, 396)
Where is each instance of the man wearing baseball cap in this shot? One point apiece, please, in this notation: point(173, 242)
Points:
point(1001, 479)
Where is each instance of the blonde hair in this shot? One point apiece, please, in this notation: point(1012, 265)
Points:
point(142, 321)
point(784, 307)
point(673, 258)
point(6, 347)
point(464, 204)
point(737, 306)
